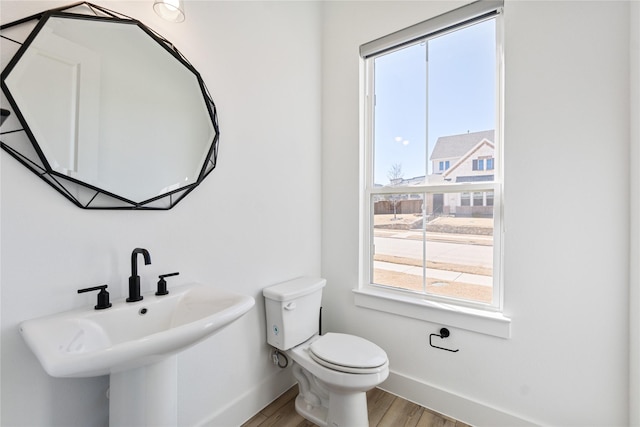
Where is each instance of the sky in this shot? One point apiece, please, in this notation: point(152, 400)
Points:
point(418, 101)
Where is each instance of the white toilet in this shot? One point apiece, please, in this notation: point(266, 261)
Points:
point(334, 371)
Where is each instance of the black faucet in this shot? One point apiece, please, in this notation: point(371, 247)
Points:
point(134, 280)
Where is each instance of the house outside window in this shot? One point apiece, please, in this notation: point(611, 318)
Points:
point(448, 196)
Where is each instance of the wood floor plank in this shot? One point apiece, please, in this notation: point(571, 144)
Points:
point(256, 420)
point(286, 416)
point(431, 419)
point(401, 413)
point(378, 403)
point(281, 401)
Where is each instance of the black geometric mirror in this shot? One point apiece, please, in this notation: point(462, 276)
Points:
point(105, 110)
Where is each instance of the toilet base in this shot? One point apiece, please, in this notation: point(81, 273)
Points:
point(314, 413)
point(329, 408)
point(345, 410)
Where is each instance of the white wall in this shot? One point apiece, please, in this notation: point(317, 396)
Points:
point(634, 294)
point(253, 222)
point(566, 265)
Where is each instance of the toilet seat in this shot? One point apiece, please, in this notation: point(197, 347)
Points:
point(348, 353)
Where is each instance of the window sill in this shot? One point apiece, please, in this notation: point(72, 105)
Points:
point(484, 322)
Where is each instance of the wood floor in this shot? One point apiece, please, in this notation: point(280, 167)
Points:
point(385, 410)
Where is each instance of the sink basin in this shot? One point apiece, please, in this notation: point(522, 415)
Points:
point(88, 342)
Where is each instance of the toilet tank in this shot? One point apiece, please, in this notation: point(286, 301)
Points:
point(293, 311)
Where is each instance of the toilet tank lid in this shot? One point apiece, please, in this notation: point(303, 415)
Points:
point(294, 288)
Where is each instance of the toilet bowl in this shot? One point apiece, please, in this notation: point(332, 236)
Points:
point(333, 392)
point(334, 371)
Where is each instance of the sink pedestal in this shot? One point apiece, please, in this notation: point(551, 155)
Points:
point(145, 396)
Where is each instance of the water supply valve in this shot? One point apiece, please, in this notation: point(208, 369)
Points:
point(279, 359)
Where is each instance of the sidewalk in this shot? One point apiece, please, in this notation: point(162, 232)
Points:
point(435, 237)
point(444, 275)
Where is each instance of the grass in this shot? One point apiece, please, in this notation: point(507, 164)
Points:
point(412, 282)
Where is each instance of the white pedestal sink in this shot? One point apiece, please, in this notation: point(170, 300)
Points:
point(134, 343)
point(145, 396)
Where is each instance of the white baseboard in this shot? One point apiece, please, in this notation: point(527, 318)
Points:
point(437, 399)
point(447, 403)
point(251, 402)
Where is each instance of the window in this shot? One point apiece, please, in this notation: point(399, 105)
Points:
point(489, 198)
point(490, 164)
point(478, 164)
point(434, 236)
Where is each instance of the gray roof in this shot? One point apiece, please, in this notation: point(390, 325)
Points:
point(454, 146)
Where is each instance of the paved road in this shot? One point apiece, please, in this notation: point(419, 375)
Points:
point(454, 253)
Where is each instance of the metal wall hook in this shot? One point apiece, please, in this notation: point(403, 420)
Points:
point(444, 333)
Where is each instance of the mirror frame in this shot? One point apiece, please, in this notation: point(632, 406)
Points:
point(22, 145)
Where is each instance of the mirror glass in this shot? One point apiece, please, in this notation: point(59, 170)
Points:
point(110, 106)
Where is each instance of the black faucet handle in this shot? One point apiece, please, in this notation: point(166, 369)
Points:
point(103, 296)
point(162, 284)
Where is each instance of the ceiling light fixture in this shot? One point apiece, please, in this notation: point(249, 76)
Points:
point(171, 10)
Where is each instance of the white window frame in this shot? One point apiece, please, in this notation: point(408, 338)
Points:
point(483, 318)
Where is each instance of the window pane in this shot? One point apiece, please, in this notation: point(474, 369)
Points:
point(477, 199)
point(400, 148)
point(398, 229)
point(489, 198)
point(461, 102)
point(459, 254)
point(445, 250)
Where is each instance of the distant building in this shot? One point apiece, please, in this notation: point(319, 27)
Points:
point(464, 158)
point(468, 157)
